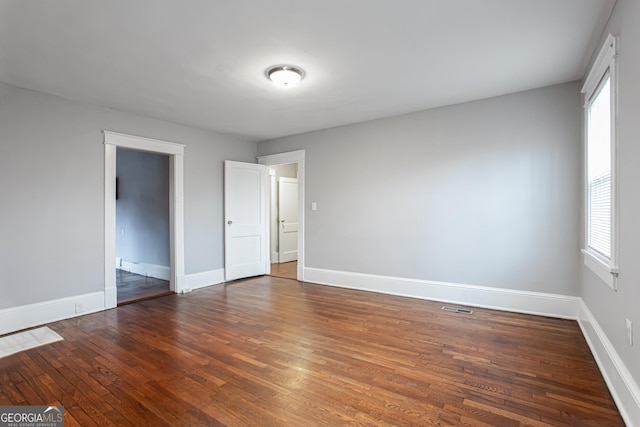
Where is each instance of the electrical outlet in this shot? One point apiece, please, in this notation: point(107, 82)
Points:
point(629, 332)
point(79, 307)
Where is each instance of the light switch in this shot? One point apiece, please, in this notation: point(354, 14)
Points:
point(314, 206)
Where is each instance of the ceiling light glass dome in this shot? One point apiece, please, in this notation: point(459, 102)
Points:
point(284, 75)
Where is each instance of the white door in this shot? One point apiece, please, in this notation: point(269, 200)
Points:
point(244, 220)
point(288, 219)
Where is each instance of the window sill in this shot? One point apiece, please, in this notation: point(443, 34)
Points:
point(601, 268)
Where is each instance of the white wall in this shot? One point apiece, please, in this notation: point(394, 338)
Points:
point(52, 184)
point(483, 193)
point(142, 207)
point(611, 308)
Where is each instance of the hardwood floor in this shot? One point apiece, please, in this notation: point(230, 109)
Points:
point(134, 287)
point(285, 270)
point(271, 351)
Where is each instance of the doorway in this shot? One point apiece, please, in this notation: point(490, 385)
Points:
point(112, 141)
point(289, 166)
point(283, 211)
point(142, 225)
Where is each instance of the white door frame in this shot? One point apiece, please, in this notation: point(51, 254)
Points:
point(112, 141)
point(280, 159)
point(272, 205)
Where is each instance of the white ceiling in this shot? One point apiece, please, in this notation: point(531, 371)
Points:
point(202, 62)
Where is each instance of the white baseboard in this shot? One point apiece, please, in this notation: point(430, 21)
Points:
point(26, 316)
point(110, 298)
point(200, 280)
point(162, 272)
point(623, 388)
point(562, 306)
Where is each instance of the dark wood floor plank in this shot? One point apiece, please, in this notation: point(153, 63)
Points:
point(271, 351)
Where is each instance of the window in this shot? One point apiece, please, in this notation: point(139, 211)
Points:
point(599, 170)
point(600, 252)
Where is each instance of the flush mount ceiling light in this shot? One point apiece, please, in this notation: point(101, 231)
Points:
point(284, 75)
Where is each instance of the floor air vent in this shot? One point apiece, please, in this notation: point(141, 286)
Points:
point(457, 310)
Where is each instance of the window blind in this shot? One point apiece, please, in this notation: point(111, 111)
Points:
point(600, 215)
point(599, 170)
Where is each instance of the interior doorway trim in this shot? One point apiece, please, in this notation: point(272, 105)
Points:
point(113, 140)
point(280, 159)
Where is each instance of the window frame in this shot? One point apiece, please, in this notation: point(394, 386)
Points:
point(605, 64)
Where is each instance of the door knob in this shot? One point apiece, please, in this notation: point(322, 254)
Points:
point(229, 222)
point(282, 220)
